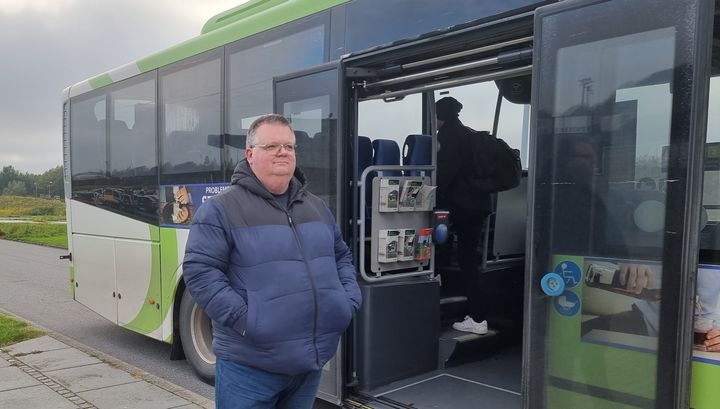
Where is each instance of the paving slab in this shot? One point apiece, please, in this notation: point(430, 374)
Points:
point(4, 363)
point(138, 395)
point(190, 406)
point(13, 377)
point(58, 359)
point(88, 377)
point(41, 344)
point(35, 397)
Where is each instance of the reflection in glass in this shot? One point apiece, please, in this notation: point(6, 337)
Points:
point(190, 123)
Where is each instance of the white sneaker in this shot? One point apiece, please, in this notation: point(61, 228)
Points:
point(469, 325)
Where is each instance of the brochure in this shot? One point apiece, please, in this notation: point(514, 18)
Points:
point(388, 246)
point(409, 194)
point(425, 199)
point(407, 252)
point(389, 191)
point(423, 249)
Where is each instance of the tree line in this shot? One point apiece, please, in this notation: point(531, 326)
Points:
point(47, 184)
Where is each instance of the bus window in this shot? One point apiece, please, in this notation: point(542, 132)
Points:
point(478, 104)
point(394, 120)
point(190, 115)
point(710, 219)
point(133, 151)
point(88, 139)
point(250, 78)
point(132, 131)
point(513, 127)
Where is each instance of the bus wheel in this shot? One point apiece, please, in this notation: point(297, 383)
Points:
point(196, 336)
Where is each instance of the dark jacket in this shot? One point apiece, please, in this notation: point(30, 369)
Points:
point(278, 284)
point(458, 179)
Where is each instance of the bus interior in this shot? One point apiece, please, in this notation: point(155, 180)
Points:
point(405, 351)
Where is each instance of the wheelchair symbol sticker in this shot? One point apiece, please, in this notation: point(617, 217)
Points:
point(567, 304)
point(570, 272)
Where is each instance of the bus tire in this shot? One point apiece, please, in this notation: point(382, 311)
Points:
point(196, 337)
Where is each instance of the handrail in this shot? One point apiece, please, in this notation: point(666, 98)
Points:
point(361, 222)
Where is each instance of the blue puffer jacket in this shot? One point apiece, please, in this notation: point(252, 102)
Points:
point(278, 284)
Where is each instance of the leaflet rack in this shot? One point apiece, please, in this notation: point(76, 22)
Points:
point(395, 219)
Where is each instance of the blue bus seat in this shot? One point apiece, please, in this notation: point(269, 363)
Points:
point(365, 159)
point(365, 153)
point(417, 151)
point(387, 152)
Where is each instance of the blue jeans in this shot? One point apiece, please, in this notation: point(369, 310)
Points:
point(239, 386)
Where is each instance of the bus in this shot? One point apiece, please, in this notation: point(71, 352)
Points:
point(601, 270)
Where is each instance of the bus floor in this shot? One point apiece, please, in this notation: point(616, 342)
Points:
point(492, 382)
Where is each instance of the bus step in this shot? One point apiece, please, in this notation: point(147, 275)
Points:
point(458, 347)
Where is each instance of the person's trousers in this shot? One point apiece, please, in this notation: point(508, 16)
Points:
point(468, 227)
point(240, 386)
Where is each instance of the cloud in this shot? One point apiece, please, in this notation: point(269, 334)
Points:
point(42, 55)
point(36, 6)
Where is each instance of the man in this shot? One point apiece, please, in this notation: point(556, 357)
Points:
point(266, 262)
point(469, 207)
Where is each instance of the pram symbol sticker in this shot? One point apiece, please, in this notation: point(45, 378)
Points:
point(567, 304)
point(570, 272)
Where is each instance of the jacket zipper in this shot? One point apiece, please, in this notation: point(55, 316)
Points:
point(312, 284)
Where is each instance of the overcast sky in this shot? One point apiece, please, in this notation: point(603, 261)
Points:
point(48, 45)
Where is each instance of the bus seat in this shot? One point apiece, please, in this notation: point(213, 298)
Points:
point(417, 151)
point(365, 153)
point(143, 130)
point(387, 152)
point(365, 159)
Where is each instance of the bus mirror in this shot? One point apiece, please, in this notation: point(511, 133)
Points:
point(215, 140)
point(516, 89)
point(236, 141)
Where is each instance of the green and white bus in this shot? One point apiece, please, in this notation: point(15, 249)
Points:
point(601, 270)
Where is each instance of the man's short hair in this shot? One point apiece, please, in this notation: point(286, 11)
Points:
point(264, 119)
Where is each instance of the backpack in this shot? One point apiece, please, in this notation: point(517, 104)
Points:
point(496, 165)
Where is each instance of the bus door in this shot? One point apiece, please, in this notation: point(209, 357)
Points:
point(310, 101)
point(611, 268)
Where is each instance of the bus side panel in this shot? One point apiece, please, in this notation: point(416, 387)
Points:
point(604, 365)
point(172, 250)
point(705, 379)
point(138, 286)
point(116, 268)
point(704, 393)
point(95, 274)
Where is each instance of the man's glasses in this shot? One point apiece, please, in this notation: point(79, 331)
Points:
point(276, 147)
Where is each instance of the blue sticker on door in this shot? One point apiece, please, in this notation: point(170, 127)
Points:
point(567, 304)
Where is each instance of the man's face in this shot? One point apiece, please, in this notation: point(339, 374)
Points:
point(274, 163)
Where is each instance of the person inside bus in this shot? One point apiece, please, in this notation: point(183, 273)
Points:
point(468, 208)
point(266, 261)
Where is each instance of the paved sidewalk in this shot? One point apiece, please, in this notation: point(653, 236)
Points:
point(56, 372)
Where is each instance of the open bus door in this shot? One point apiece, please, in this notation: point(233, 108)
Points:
point(309, 99)
point(611, 266)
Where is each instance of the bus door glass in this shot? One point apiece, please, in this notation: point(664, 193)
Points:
point(309, 101)
point(615, 202)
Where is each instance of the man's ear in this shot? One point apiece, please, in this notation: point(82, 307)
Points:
point(249, 155)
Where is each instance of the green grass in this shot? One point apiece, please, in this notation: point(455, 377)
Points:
point(36, 233)
point(13, 331)
point(34, 208)
point(38, 210)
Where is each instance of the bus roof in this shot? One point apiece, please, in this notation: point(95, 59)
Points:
point(231, 25)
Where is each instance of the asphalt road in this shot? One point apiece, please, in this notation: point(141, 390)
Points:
point(34, 284)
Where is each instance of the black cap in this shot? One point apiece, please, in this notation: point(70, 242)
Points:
point(447, 108)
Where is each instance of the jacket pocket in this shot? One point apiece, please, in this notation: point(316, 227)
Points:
point(282, 318)
point(334, 311)
point(251, 315)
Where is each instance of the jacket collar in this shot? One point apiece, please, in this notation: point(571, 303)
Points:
point(245, 177)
